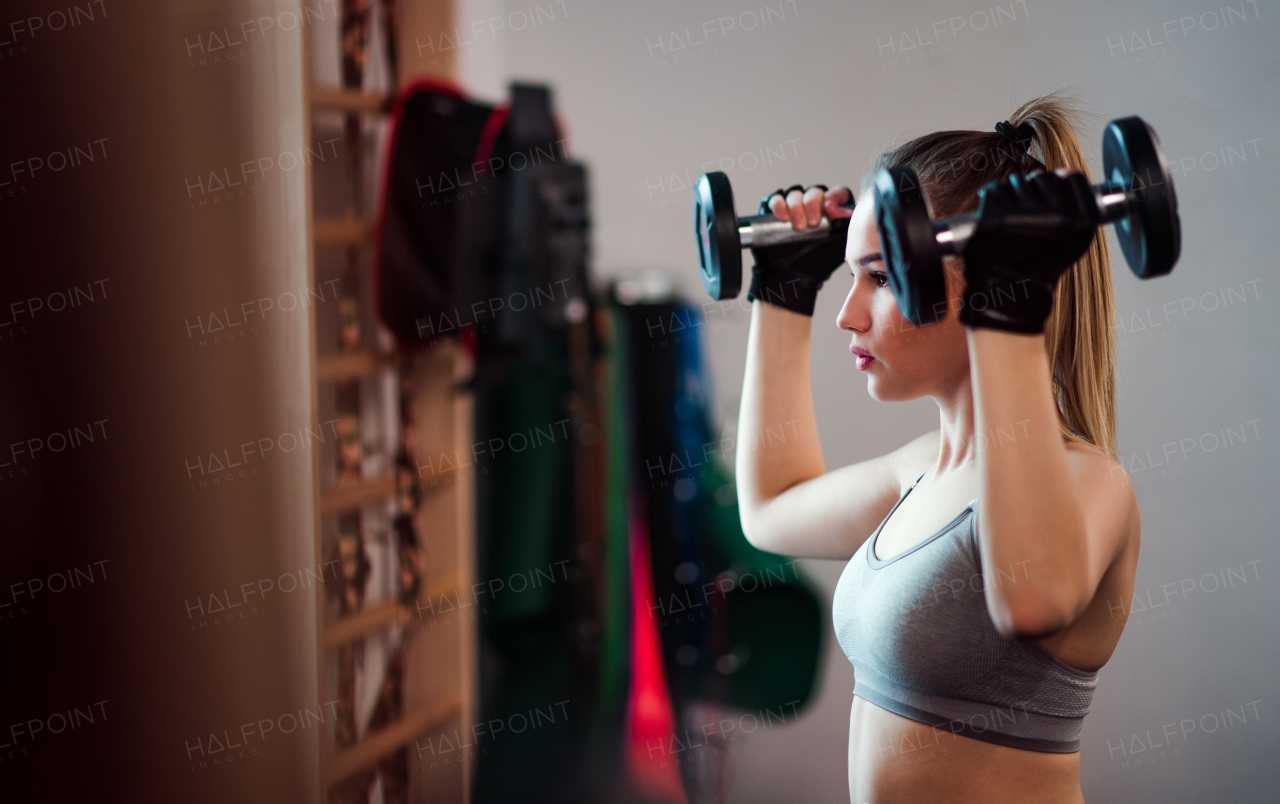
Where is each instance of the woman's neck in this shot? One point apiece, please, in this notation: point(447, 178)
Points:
point(958, 448)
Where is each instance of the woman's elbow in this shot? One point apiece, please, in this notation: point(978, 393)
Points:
point(750, 521)
point(755, 523)
point(1033, 616)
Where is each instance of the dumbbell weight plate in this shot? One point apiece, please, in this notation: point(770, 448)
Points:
point(911, 255)
point(716, 225)
point(1150, 236)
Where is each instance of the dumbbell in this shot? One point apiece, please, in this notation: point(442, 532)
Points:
point(722, 235)
point(1137, 196)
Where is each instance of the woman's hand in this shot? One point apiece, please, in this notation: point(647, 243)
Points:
point(789, 275)
point(1030, 230)
point(805, 208)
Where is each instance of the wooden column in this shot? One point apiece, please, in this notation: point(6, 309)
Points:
point(440, 665)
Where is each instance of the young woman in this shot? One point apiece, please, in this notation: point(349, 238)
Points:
point(989, 560)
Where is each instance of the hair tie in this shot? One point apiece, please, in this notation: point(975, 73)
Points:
point(1020, 136)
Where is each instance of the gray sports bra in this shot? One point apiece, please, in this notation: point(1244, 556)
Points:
point(922, 645)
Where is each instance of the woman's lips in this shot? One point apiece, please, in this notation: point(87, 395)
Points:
point(863, 357)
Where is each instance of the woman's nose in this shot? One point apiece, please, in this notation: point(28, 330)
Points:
point(854, 313)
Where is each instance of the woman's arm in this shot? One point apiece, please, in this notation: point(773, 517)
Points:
point(1051, 516)
point(788, 502)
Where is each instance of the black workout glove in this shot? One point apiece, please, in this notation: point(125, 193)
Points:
point(1030, 229)
point(789, 275)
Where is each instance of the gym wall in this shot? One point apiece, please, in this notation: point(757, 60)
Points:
point(779, 93)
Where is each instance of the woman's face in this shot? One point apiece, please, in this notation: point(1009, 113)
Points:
point(901, 361)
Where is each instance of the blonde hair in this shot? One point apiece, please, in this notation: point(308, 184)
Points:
point(1079, 337)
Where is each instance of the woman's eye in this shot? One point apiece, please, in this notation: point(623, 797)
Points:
point(881, 279)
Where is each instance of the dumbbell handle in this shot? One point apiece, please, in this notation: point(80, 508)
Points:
point(953, 233)
point(758, 231)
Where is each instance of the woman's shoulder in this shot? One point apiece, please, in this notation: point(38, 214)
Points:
point(1102, 481)
point(1090, 460)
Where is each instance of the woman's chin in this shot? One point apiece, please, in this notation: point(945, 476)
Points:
point(882, 391)
point(876, 389)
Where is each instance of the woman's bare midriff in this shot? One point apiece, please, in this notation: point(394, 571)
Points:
point(893, 760)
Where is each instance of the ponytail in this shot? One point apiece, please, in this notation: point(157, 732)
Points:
point(1079, 336)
